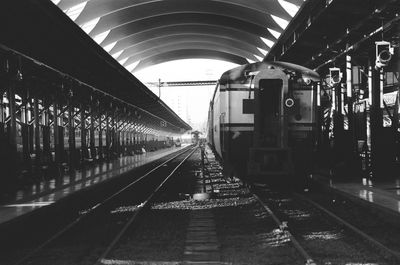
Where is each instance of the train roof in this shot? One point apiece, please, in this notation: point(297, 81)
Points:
point(238, 73)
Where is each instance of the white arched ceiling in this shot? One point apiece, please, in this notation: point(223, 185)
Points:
point(141, 33)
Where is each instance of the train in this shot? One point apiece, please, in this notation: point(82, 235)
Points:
point(262, 121)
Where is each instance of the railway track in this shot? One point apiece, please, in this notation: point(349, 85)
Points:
point(319, 235)
point(263, 225)
point(93, 234)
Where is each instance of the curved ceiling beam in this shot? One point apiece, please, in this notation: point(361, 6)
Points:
point(137, 39)
point(186, 21)
point(189, 54)
point(99, 8)
point(184, 38)
point(175, 7)
point(173, 46)
point(65, 4)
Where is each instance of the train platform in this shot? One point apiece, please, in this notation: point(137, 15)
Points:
point(46, 192)
point(381, 195)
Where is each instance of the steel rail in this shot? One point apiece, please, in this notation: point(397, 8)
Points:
point(136, 213)
point(368, 238)
point(282, 227)
point(91, 210)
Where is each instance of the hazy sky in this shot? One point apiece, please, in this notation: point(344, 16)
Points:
point(185, 70)
point(196, 98)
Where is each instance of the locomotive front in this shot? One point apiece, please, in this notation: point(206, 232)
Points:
point(262, 121)
point(284, 122)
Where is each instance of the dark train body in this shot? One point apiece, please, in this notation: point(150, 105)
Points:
point(262, 120)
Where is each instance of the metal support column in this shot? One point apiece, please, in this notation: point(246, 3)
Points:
point(36, 116)
point(46, 133)
point(112, 134)
point(338, 125)
point(12, 127)
point(101, 155)
point(83, 133)
point(71, 135)
point(1, 114)
point(350, 101)
point(108, 139)
point(92, 136)
point(25, 127)
point(57, 155)
point(376, 123)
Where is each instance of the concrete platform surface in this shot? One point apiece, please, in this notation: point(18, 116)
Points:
point(47, 192)
point(385, 194)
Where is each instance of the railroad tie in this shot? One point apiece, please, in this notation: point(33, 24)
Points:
point(202, 245)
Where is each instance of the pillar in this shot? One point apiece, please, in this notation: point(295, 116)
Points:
point(376, 122)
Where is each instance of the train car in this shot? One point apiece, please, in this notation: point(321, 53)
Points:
point(262, 120)
point(178, 142)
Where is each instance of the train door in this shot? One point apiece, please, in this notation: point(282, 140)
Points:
point(269, 122)
point(269, 157)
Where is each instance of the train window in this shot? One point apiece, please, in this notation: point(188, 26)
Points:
point(248, 106)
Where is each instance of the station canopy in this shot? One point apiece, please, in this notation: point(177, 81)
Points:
point(142, 33)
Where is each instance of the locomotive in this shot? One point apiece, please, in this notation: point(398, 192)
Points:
point(262, 120)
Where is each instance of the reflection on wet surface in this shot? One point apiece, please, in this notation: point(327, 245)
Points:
point(260, 213)
point(125, 209)
point(297, 214)
point(357, 263)
point(281, 200)
point(132, 262)
point(367, 195)
point(201, 205)
point(385, 194)
point(276, 238)
point(324, 235)
point(32, 204)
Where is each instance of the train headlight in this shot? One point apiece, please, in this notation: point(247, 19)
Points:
point(289, 102)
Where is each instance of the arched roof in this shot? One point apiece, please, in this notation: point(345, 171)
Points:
point(148, 32)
